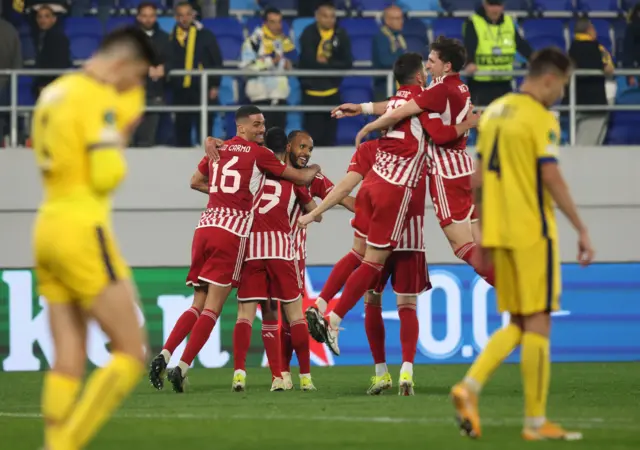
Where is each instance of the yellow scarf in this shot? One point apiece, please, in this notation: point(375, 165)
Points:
point(325, 47)
point(606, 56)
point(269, 38)
point(190, 38)
point(18, 5)
point(396, 41)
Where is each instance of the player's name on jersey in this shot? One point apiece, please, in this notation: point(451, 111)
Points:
point(236, 148)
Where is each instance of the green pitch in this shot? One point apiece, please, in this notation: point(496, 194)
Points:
point(602, 400)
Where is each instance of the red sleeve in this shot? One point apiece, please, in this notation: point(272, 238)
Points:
point(203, 166)
point(361, 162)
point(302, 194)
point(433, 99)
point(438, 132)
point(321, 186)
point(268, 163)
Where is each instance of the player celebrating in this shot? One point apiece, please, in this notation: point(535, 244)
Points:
point(269, 273)
point(78, 142)
point(236, 182)
point(516, 185)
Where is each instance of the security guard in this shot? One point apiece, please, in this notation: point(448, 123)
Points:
point(491, 40)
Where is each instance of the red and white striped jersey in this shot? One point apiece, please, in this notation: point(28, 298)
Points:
point(319, 188)
point(401, 155)
point(412, 238)
point(271, 236)
point(448, 99)
point(236, 183)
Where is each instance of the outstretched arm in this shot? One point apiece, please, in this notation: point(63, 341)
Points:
point(349, 203)
point(301, 177)
point(353, 109)
point(199, 182)
point(334, 197)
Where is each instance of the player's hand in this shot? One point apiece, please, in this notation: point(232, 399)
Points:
point(473, 118)
point(211, 146)
point(305, 220)
point(585, 249)
point(482, 259)
point(315, 167)
point(346, 110)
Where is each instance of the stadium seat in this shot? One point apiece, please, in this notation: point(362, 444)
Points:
point(166, 24)
point(553, 5)
point(544, 32)
point(243, 4)
point(598, 5)
point(619, 30)
point(84, 34)
point(298, 26)
point(26, 43)
point(603, 29)
point(356, 90)
point(118, 21)
point(253, 22)
point(420, 5)
point(449, 27)
point(25, 96)
point(361, 33)
point(371, 5)
point(623, 125)
point(415, 33)
point(460, 5)
point(230, 35)
point(348, 128)
point(280, 4)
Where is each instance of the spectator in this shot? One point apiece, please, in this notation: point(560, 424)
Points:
point(307, 8)
point(147, 20)
point(388, 45)
point(491, 40)
point(323, 46)
point(268, 50)
point(10, 58)
point(52, 47)
point(192, 47)
point(587, 53)
point(631, 45)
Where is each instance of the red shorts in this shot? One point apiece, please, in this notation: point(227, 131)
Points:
point(452, 199)
point(381, 210)
point(264, 279)
point(216, 257)
point(408, 273)
point(301, 265)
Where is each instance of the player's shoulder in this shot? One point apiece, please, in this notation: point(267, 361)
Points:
point(369, 146)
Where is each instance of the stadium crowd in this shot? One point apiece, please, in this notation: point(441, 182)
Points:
point(58, 35)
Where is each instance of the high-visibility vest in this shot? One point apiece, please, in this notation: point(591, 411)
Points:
point(496, 49)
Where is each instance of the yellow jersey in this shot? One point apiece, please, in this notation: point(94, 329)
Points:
point(77, 141)
point(129, 113)
point(516, 135)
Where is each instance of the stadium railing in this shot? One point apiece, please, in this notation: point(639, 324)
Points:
point(14, 109)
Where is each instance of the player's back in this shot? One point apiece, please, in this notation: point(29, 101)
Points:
point(516, 135)
point(74, 116)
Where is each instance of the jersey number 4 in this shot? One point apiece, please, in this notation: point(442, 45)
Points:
point(494, 158)
point(229, 182)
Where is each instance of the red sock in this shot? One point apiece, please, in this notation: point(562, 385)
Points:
point(286, 349)
point(409, 331)
point(374, 325)
point(339, 275)
point(199, 335)
point(300, 341)
point(241, 344)
point(271, 340)
point(466, 253)
point(181, 329)
point(360, 281)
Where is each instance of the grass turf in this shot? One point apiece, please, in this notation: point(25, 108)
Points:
point(602, 400)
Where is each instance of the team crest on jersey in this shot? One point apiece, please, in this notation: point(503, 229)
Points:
point(110, 118)
point(553, 137)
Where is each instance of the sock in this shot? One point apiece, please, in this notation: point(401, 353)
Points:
point(199, 336)
point(500, 345)
point(374, 326)
point(286, 349)
point(271, 340)
point(180, 331)
point(104, 392)
point(339, 275)
point(365, 277)
point(241, 343)
point(535, 367)
point(300, 341)
point(466, 253)
point(381, 369)
point(409, 331)
point(407, 367)
point(321, 304)
point(59, 395)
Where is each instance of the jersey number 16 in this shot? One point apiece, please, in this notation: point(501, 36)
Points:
point(229, 182)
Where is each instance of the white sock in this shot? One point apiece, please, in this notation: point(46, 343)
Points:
point(166, 354)
point(322, 305)
point(534, 422)
point(184, 367)
point(241, 372)
point(407, 367)
point(381, 369)
point(305, 375)
point(334, 320)
point(473, 385)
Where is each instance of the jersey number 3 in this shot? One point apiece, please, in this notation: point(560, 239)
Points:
point(494, 158)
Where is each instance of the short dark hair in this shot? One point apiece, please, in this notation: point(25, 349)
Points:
point(245, 111)
point(582, 25)
point(133, 37)
point(46, 7)
point(294, 134)
point(450, 51)
point(547, 60)
point(406, 67)
point(275, 139)
point(144, 5)
point(182, 3)
point(326, 4)
point(270, 10)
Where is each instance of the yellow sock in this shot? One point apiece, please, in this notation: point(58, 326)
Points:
point(500, 345)
point(535, 366)
point(59, 394)
point(104, 392)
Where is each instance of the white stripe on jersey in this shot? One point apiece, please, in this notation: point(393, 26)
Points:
point(270, 245)
point(412, 238)
point(233, 220)
point(449, 163)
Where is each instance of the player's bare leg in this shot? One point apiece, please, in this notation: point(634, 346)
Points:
point(300, 341)
point(374, 326)
point(535, 365)
point(465, 394)
point(181, 330)
point(409, 332)
point(462, 240)
point(216, 298)
point(115, 311)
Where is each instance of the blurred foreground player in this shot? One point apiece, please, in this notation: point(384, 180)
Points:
point(516, 185)
point(269, 273)
point(79, 138)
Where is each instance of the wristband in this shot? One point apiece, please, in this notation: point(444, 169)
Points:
point(367, 108)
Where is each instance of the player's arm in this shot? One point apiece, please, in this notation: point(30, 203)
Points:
point(353, 109)
point(349, 202)
point(199, 182)
point(334, 197)
point(107, 165)
point(303, 195)
point(310, 207)
point(389, 119)
point(440, 133)
point(301, 177)
point(268, 163)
